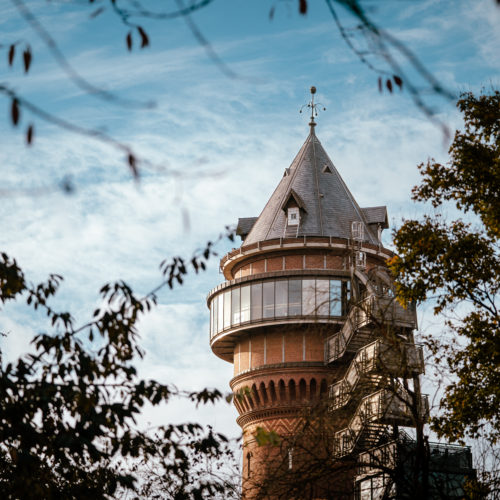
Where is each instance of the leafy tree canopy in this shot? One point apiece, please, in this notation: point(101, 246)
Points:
point(458, 264)
point(69, 409)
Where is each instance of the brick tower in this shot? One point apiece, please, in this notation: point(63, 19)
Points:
point(307, 318)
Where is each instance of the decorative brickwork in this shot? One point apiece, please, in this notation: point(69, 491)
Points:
point(298, 317)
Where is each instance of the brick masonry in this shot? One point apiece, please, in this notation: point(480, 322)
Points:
point(279, 370)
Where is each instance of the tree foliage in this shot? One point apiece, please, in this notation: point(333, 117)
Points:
point(69, 409)
point(457, 263)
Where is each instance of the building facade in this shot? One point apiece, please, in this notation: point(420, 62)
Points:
point(325, 367)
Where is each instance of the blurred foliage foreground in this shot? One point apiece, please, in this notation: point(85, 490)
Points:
point(456, 263)
point(68, 410)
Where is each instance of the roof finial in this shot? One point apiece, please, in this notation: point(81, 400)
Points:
point(314, 108)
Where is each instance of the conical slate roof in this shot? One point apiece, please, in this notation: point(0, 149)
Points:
point(327, 207)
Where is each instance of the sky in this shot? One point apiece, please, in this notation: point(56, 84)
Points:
point(217, 147)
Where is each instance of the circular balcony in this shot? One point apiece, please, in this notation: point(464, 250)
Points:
point(237, 255)
point(242, 305)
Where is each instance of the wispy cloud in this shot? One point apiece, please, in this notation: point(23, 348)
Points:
point(227, 142)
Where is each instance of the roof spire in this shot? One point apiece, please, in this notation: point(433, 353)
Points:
point(314, 108)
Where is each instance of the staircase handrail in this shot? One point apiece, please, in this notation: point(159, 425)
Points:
point(373, 408)
point(365, 361)
point(361, 314)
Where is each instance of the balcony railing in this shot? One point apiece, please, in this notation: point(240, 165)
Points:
point(442, 457)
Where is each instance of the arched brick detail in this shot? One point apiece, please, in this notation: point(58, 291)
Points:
point(272, 392)
point(250, 403)
point(263, 393)
point(323, 389)
point(313, 387)
point(292, 390)
point(287, 387)
point(302, 390)
point(282, 391)
point(255, 395)
point(237, 404)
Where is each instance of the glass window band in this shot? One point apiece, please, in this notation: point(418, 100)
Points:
point(274, 299)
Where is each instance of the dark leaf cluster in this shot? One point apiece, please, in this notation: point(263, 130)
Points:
point(69, 409)
point(457, 264)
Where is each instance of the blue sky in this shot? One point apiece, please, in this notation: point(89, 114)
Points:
point(219, 146)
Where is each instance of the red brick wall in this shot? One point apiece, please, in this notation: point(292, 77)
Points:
point(275, 264)
point(294, 261)
point(334, 262)
point(293, 346)
point(258, 266)
point(315, 261)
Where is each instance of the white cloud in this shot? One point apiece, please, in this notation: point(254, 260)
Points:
point(228, 142)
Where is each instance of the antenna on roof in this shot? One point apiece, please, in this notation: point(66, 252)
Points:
point(314, 108)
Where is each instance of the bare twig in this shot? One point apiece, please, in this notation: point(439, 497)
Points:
point(72, 74)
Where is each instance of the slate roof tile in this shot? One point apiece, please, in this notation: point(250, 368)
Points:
point(329, 207)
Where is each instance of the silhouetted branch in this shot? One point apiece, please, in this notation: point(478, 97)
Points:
point(61, 60)
point(381, 39)
point(221, 65)
point(140, 11)
point(98, 135)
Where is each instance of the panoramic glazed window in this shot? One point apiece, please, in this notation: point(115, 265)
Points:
point(220, 316)
point(227, 309)
point(268, 299)
point(256, 302)
point(272, 299)
point(245, 303)
point(281, 307)
point(322, 297)
point(346, 294)
point(235, 306)
point(213, 328)
point(294, 297)
point(335, 298)
point(308, 298)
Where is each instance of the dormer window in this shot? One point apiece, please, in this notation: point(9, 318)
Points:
point(293, 216)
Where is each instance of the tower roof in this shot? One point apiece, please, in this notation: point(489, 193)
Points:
point(327, 207)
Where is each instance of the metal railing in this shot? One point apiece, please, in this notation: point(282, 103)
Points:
point(378, 357)
point(384, 407)
point(371, 310)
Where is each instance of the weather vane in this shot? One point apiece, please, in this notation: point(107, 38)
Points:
point(314, 108)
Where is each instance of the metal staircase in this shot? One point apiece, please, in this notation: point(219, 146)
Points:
point(388, 406)
point(371, 311)
point(377, 332)
point(372, 366)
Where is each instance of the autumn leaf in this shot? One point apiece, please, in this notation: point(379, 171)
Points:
point(29, 135)
point(398, 81)
point(15, 112)
point(27, 57)
point(144, 37)
point(12, 50)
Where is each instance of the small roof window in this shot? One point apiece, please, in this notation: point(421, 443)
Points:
point(293, 216)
